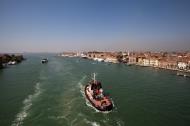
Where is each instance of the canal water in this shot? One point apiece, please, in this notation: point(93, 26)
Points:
point(35, 94)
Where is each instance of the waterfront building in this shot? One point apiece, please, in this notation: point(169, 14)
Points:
point(103, 56)
point(146, 62)
point(111, 60)
point(140, 61)
point(111, 57)
point(132, 59)
point(172, 63)
point(94, 54)
point(153, 62)
point(162, 63)
point(188, 66)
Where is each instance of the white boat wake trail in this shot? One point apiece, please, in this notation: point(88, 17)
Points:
point(91, 123)
point(27, 103)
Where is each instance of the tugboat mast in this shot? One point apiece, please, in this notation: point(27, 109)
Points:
point(94, 77)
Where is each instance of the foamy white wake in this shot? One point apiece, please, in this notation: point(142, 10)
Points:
point(27, 103)
point(81, 80)
point(68, 104)
point(91, 123)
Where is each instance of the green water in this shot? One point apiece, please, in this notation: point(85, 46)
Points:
point(35, 94)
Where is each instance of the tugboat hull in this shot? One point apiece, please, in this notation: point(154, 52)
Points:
point(98, 107)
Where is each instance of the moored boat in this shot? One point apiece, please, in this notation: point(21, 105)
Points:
point(11, 62)
point(94, 93)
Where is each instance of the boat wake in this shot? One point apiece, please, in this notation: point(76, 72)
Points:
point(70, 99)
point(27, 103)
point(91, 123)
point(81, 81)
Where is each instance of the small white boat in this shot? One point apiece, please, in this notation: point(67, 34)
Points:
point(44, 60)
point(12, 62)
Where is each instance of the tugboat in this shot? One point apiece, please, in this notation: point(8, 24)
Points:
point(94, 93)
point(45, 60)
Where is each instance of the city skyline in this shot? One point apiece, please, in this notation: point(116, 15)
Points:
point(56, 26)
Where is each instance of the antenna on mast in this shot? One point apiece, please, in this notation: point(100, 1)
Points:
point(94, 77)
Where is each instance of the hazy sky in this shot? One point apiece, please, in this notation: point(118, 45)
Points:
point(105, 25)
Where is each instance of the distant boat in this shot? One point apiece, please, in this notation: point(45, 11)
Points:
point(84, 56)
point(94, 93)
point(44, 60)
point(99, 59)
point(11, 62)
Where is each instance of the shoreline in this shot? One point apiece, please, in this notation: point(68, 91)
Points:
point(10, 59)
point(185, 73)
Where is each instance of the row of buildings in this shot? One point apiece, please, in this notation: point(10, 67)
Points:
point(94, 55)
point(174, 61)
point(166, 60)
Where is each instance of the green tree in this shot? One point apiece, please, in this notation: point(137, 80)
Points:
point(119, 57)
